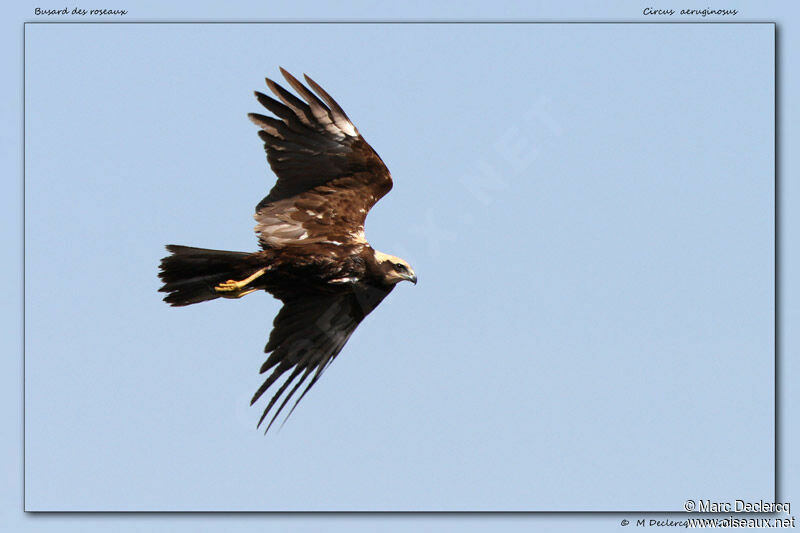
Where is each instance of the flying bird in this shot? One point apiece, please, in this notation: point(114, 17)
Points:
point(314, 256)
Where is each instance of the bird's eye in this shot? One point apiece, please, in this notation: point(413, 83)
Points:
point(400, 267)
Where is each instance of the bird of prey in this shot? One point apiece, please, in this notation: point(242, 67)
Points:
point(314, 256)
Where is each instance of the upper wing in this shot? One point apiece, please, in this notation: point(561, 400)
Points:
point(308, 333)
point(328, 176)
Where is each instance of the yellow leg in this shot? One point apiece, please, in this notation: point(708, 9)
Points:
point(235, 287)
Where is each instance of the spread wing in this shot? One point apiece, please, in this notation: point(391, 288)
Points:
point(328, 176)
point(308, 333)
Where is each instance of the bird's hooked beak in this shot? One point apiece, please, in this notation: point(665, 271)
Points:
point(409, 276)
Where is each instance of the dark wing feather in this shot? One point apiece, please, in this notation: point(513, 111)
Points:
point(308, 333)
point(329, 177)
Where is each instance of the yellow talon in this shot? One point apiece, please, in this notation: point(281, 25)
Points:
point(236, 294)
point(236, 286)
point(228, 286)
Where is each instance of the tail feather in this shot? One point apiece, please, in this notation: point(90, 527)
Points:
point(190, 274)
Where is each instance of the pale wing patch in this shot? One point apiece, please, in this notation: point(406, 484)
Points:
point(359, 237)
point(330, 116)
point(344, 280)
point(283, 222)
point(339, 128)
point(334, 111)
point(280, 224)
point(346, 127)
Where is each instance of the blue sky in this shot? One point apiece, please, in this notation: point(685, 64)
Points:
point(591, 227)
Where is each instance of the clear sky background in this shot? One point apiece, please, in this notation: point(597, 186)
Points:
point(589, 209)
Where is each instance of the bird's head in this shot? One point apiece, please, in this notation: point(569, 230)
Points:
point(395, 269)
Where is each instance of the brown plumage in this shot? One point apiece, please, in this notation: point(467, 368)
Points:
point(314, 256)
